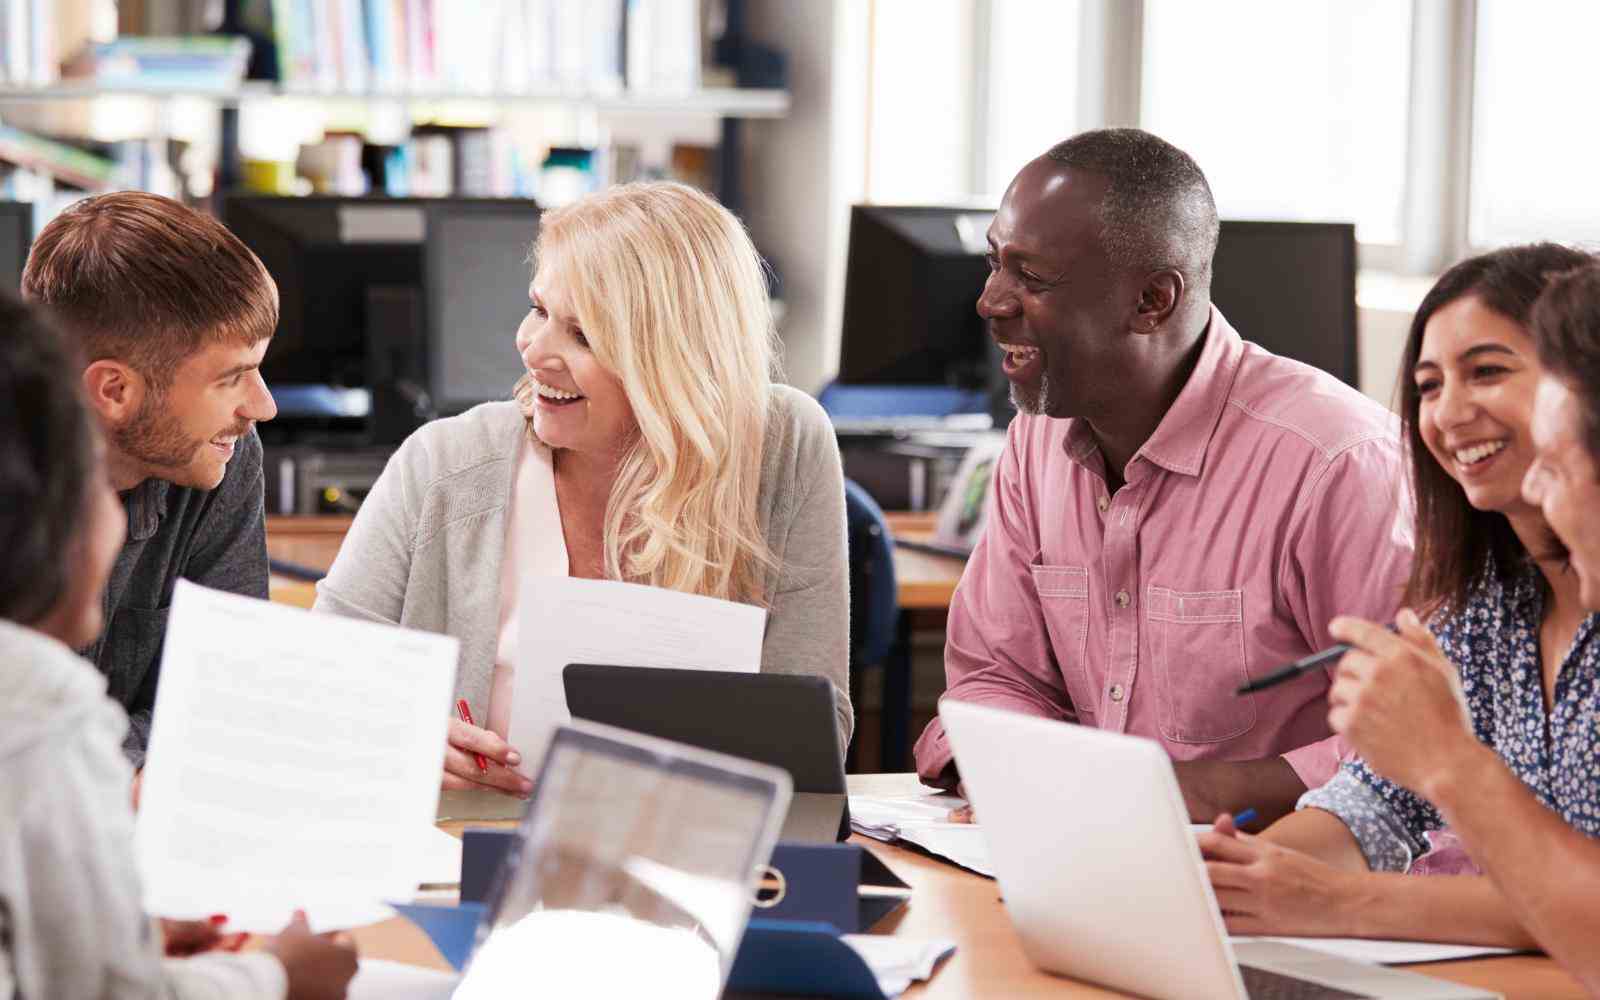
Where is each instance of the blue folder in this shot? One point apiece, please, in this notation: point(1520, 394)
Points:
point(791, 948)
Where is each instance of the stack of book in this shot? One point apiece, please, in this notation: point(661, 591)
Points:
point(28, 43)
point(198, 62)
point(485, 46)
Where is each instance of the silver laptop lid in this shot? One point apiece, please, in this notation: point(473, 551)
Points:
point(1090, 840)
point(632, 872)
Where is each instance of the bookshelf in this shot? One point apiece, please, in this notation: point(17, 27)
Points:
point(722, 102)
point(638, 79)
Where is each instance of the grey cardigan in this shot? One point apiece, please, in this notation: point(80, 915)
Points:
point(425, 550)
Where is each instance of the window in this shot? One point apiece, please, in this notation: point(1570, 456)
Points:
point(920, 124)
point(1534, 148)
point(1033, 86)
point(1294, 111)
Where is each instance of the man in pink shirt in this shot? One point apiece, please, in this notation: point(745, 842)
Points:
point(1177, 511)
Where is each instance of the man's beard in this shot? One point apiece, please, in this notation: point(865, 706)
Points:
point(155, 438)
point(1034, 402)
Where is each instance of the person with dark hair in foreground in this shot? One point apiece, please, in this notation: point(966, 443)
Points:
point(1501, 609)
point(1176, 511)
point(171, 315)
point(71, 917)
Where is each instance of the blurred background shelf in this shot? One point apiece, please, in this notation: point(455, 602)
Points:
point(731, 102)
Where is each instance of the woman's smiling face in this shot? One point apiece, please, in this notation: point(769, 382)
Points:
point(579, 404)
point(1476, 377)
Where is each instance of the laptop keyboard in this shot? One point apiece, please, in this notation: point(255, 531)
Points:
point(1259, 984)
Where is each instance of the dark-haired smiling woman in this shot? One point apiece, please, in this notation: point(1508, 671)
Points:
point(1499, 605)
point(1402, 711)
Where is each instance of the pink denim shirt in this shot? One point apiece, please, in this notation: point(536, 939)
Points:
point(1268, 501)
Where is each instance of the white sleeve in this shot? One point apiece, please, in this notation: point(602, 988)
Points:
point(78, 920)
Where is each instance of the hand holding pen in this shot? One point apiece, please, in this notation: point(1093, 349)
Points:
point(476, 758)
point(1399, 702)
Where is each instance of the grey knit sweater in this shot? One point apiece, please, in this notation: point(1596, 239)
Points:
point(425, 551)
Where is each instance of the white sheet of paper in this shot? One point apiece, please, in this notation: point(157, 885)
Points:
point(565, 620)
point(288, 750)
point(896, 962)
point(1387, 952)
point(922, 820)
point(379, 979)
point(441, 864)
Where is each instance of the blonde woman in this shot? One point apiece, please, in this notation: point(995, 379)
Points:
point(646, 443)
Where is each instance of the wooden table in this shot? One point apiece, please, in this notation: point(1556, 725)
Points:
point(948, 902)
point(925, 581)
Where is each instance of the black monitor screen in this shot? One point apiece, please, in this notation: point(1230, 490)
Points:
point(16, 235)
point(354, 278)
point(477, 272)
point(910, 297)
point(1291, 287)
point(915, 274)
point(324, 253)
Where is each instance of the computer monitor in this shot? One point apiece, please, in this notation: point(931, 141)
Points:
point(1291, 287)
point(915, 273)
point(16, 235)
point(911, 290)
point(476, 272)
point(354, 278)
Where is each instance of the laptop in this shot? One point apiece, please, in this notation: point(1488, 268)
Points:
point(783, 720)
point(631, 847)
point(1103, 881)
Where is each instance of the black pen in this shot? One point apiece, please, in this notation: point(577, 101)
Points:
point(1295, 669)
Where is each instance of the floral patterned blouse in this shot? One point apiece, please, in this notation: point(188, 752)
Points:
point(1494, 640)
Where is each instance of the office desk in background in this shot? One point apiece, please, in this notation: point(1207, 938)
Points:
point(926, 581)
point(947, 902)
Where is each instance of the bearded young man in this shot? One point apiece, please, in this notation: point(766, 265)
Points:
point(171, 315)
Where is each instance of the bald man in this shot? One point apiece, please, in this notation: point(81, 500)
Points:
point(1177, 511)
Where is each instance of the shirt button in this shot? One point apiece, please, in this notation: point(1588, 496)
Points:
point(1116, 692)
point(1104, 503)
point(1122, 598)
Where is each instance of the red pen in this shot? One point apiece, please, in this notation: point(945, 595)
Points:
point(466, 716)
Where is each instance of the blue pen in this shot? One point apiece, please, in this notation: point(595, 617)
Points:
point(1245, 817)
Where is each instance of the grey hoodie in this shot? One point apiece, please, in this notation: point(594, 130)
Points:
point(71, 922)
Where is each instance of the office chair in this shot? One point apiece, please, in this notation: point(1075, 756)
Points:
point(874, 624)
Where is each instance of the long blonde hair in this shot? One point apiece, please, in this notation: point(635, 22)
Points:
point(672, 297)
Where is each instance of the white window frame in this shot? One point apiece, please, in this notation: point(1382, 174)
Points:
point(1436, 197)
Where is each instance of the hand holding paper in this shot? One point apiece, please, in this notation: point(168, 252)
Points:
point(294, 762)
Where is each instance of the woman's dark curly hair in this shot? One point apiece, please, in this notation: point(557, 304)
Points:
point(47, 456)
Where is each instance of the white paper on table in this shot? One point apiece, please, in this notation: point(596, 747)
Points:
point(1382, 952)
point(441, 862)
point(378, 979)
point(896, 962)
point(922, 820)
point(288, 749)
point(881, 816)
point(564, 620)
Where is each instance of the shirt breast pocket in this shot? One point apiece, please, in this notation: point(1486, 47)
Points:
point(1197, 645)
point(133, 643)
point(1064, 601)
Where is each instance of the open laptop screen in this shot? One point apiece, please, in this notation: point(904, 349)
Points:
point(633, 868)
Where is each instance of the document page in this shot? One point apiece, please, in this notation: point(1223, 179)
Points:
point(294, 763)
point(565, 620)
point(923, 820)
